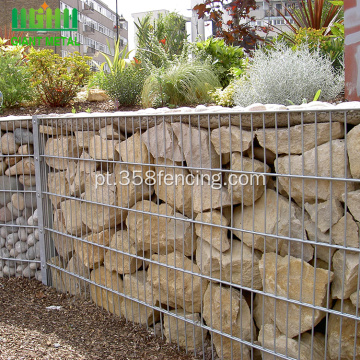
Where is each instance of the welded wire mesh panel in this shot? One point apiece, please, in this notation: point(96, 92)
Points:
point(233, 235)
point(19, 233)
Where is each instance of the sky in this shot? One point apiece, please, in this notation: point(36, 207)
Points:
point(128, 7)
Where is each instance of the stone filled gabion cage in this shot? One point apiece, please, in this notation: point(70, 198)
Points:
point(237, 228)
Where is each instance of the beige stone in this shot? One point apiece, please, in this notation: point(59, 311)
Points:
point(72, 211)
point(243, 187)
point(325, 214)
point(18, 201)
point(261, 312)
point(343, 333)
point(60, 149)
point(198, 151)
point(107, 299)
point(329, 156)
point(3, 167)
point(229, 139)
point(352, 232)
point(350, 263)
point(53, 130)
point(136, 287)
point(58, 184)
point(264, 155)
point(226, 310)
point(110, 132)
point(189, 335)
point(129, 189)
point(123, 264)
point(161, 230)
point(56, 274)
point(91, 255)
point(8, 145)
point(102, 149)
point(353, 203)
point(214, 235)
point(23, 167)
point(353, 149)
point(97, 95)
point(171, 186)
point(74, 285)
point(354, 298)
point(11, 161)
point(177, 288)
point(133, 150)
point(27, 180)
point(83, 138)
point(299, 138)
point(162, 142)
point(237, 265)
point(64, 245)
point(274, 215)
point(25, 150)
point(280, 344)
point(294, 279)
point(207, 197)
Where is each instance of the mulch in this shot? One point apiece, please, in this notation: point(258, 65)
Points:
point(79, 330)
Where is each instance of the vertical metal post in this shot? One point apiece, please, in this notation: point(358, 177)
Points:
point(117, 22)
point(39, 197)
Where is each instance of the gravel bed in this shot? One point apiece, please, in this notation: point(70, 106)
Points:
point(79, 330)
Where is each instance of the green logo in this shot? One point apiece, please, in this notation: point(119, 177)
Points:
point(36, 19)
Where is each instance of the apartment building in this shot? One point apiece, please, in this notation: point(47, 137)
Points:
point(96, 26)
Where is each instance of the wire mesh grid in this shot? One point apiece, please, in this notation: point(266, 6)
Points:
point(236, 233)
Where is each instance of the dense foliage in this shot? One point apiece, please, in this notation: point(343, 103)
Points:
point(57, 80)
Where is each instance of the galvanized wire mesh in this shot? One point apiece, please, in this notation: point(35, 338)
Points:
point(234, 231)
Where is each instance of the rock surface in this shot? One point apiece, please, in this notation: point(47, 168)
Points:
point(353, 149)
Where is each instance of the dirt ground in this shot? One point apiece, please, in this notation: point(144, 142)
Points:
point(79, 330)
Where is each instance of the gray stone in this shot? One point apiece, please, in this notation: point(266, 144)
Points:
point(4, 231)
point(37, 250)
point(23, 136)
point(37, 234)
point(5, 214)
point(8, 271)
point(34, 266)
point(21, 247)
point(4, 252)
point(28, 272)
point(30, 200)
point(12, 238)
point(20, 221)
point(8, 183)
point(14, 212)
point(20, 268)
point(38, 276)
point(22, 234)
point(31, 240)
point(2, 242)
point(30, 253)
point(13, 253)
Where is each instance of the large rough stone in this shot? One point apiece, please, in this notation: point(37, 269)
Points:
point(74, 285)
point(352, 232)
point(83, 138)
point(326, 214)
point(229, 139)
point(97, 95)
point(58, 184)
point(210, 196)
point(186, 334)
point(91, 255)
point(64, 245)
point(111, 132)
point(214, 235)
point(18, 201)
point(198, 150)
point(329, 156)
point(177, 289)
point(171, 186)
point(56, 274)
point(129, 189)
point(350, 263)
point(226, 310)
point(343, 333)
point(280, 344)
point(5, 215)
point(354, 298)
point(103, 297)
point(237, 265)
point(294, 279)
point(102, 149)
point(133, 150)
point(123, 264)
point(53, 130)
point(273, 215)
point(158, 233)
point(8, 183)
point(246, 188)
point(261, 312)
point(23, 167)
point(135, 286)
point(72, 211)
point(353, 149)
point(23, 136)
point(353, 203)
point(27, 180)
point(60, 149)
point(8, 144)
point(162, 142)
point(26, 150)
point(299, 138)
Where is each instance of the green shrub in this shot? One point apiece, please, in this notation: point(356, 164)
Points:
point(283, 76)
point(125, 86)
point(14, 76)
point(224, 97)
point(181, 82)
point(224, 58)
point(56, 79)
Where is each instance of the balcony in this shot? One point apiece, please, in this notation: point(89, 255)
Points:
point(89, 29)
point(89, 50)
point(88, 8)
